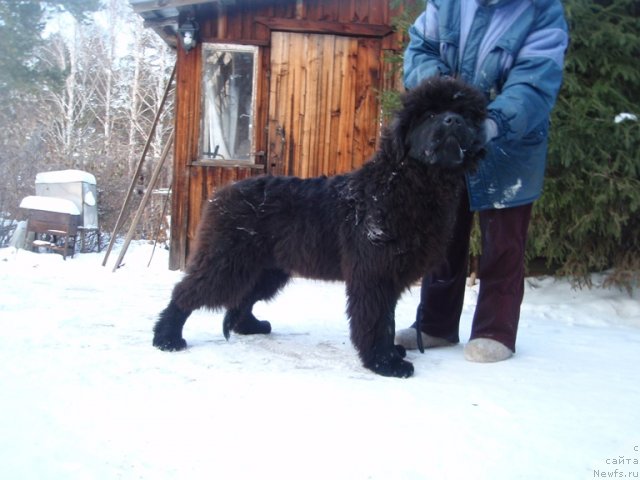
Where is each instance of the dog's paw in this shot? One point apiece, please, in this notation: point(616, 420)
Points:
point(391, 365)
point(243, 325)
point(169, 344)
point(260, 327)
point(251, 326)
point(399, 369)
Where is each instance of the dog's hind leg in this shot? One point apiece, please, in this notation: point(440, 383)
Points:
point(167, 332)
point(371, 308)
point(186, 297)
point(241, 319)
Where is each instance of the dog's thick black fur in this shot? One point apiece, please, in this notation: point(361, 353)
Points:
point(379, 228)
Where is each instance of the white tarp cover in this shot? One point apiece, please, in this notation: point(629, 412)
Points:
point(49, 204)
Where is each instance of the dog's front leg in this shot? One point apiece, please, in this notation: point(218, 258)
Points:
point(371, 307)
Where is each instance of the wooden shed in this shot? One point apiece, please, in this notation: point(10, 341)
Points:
point(280, 87)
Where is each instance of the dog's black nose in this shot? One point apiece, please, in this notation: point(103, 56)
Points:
point(452, 119)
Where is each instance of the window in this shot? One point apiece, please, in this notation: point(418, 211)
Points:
point(228, 96)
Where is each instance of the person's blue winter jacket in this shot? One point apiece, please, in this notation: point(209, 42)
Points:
point(513, 50)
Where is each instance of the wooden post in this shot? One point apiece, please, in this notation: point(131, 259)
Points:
point(157, 234)
point(132, 186)
point(143, 202)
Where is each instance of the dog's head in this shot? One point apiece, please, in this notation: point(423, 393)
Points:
point(440, 123)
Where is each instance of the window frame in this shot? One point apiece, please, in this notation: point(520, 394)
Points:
point(205, 160)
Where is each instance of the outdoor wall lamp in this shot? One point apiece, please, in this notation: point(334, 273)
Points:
point(188, 32)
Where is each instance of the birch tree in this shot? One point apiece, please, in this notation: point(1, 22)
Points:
point(92, 108)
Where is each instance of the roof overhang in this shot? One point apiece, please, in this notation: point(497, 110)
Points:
point(163, 15)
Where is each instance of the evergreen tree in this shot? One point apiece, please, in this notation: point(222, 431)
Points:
point(20, 28)
point(588, 218)
point(21, 25)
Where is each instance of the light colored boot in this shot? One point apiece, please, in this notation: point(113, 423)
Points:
point(408, 338)
point(486, 350)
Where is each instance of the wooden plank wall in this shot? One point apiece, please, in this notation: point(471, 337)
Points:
point(236, 22)
point(323, 93)
point(187, 126)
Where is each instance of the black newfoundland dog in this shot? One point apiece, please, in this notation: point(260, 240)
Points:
point(379, 228)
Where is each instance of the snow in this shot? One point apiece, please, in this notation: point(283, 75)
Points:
point(86, 396)
point(621, 117)
point(509, 194)
point(49, 204)
point(65, 176)
point(90, 199)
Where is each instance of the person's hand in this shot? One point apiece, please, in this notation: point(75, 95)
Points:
point(489, 130)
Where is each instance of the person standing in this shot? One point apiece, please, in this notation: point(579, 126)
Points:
point(513, 51)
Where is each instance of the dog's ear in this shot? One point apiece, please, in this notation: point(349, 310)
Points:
point(404, 121)
point(393, 138)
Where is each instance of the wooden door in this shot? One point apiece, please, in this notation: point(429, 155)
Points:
point(323, 105)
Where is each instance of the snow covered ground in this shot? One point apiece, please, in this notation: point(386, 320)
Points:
point(85, 396)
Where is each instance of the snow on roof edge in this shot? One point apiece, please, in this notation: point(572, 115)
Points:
point(65, 176)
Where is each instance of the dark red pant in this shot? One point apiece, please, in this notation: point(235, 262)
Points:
point(501, 274)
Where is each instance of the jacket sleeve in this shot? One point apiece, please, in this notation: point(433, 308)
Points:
point(534, 81)
point(422, 55)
